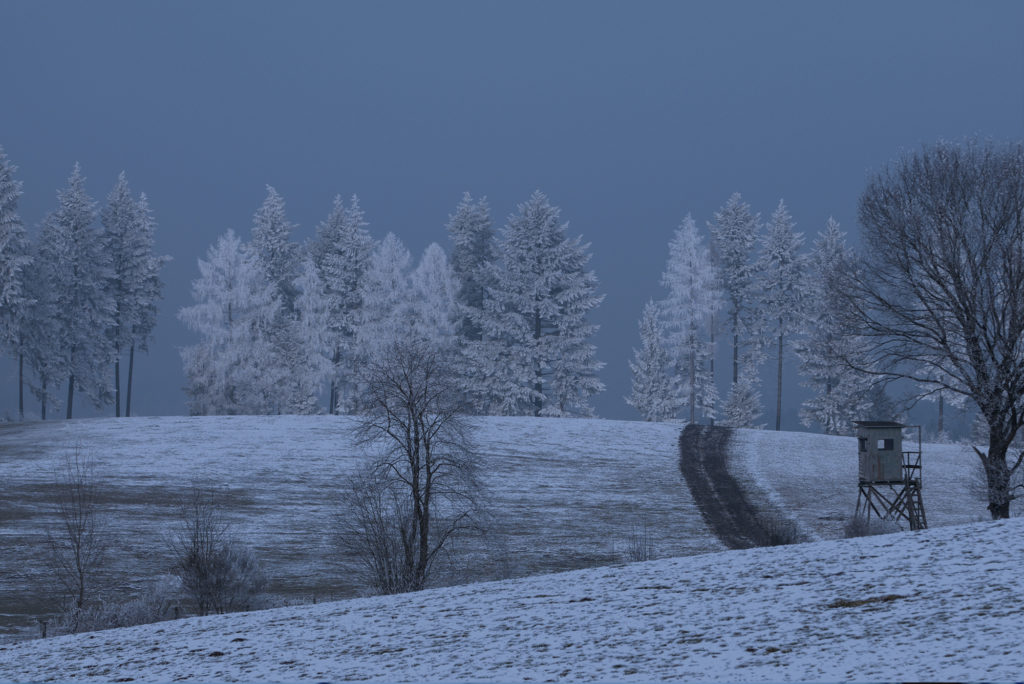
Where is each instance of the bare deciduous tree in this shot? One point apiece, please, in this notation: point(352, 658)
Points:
point(421, 487)
point(219, 574)
point(938, 293)
point(79, 541)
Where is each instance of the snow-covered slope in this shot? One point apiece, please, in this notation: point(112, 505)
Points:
point(812, 479)
point(565, 494)
point(938, 605)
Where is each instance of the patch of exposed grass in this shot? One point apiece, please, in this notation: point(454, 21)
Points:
point(853, 603)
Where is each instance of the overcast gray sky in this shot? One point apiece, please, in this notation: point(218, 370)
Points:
point(627, 114)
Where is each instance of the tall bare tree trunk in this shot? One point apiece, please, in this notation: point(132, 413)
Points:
point(117, 384)
point(21, 386)
point(711, 367)
point(538, 385)
point(43, 400)
point(71, 394)
point(778, 396)
point(131, 367)
point(940, 412)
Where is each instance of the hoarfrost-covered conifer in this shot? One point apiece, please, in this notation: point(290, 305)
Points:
point(474, 255)
point(434, 291)
point(14, 259)
point(39, 332)
point(234, 369)
point(133, 280)
point(78, 270)
point(653, 395)
point(783, 296)
point(385, 291)
point(694, 295)
point(536, 357)
point(341, 253)
point(743, 406)
point(271, 241)
point(734, 233)
point(840, 394)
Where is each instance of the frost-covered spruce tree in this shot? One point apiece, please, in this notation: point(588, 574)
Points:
point(14, 258)
point(134, 278)
point(782, 291)
point(653, 394)
point(279, 258)
point(39, 331)
point(386, 294)
point(474, 255)
point(78, 270)
point(688, 309)
point(341, 253)
point(734, 233)
point(234, 369)
point(434, 291)
point(840, 394)
point(743, 405)
point(272, 243)
point(536, 357)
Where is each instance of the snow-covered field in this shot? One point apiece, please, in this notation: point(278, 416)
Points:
point(939, 605)
point(566, 494)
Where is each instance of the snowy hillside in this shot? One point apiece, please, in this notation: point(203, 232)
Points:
point(812, 479)
point(938, 605)
point(565, 494)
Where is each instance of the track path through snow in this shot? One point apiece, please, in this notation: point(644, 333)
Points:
point(703, 453)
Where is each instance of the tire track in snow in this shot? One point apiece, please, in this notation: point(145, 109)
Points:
point(722, 503)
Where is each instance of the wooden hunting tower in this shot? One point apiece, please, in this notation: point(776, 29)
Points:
point(890, 476)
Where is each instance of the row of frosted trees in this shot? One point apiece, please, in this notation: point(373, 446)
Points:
point(282, 324)
point(77, 297)
point(769, 302)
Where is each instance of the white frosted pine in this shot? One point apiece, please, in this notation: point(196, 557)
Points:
point(39, 334)
point(14, 252)
point(134, 277)
point(535, 357)
point(474, 255)
point(386, 295)
point(14, 261)
point(653, 395)
point(78, 269)
point(693, 297)
point(272, 243)
point(434, 310)
point(341, 253)
point(840, 395)
point(734, 232)
point(234, 368)
point(782, 299)
point(742, 407)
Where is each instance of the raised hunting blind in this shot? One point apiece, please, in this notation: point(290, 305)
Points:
point(889, 476)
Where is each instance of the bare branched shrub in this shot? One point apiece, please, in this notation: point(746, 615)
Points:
point(640, 545)
point(420, 489)
point(79, 541)
point(216, 572)
point(779, 530)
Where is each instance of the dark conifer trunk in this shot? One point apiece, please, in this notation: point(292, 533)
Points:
point(711, 366)
point(778, 396)
point(128, 395)
point(42, 402)
point(21, 386)
point(117, 386)
point(71, 394)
